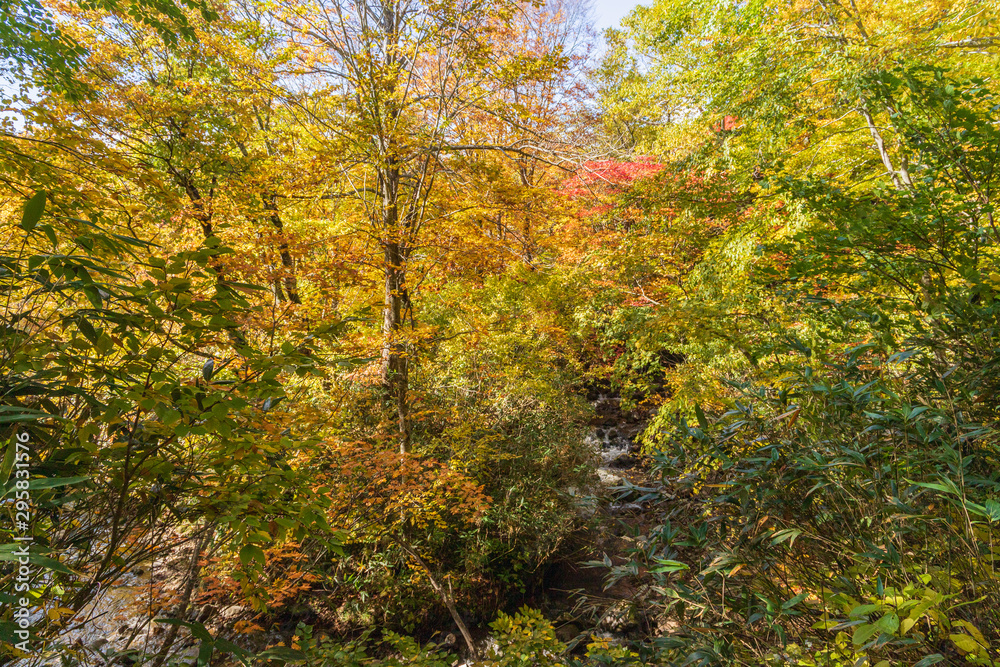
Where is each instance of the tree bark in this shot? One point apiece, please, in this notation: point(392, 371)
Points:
point(395, 361)
point(289, 281)
point(880, 146)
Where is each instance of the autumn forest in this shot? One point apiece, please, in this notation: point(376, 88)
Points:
point(440, 333)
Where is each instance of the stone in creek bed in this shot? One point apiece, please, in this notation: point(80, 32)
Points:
point(622, 508)
point(567, 633)
point(623, 462)
point(231, 614)
point(608, 478)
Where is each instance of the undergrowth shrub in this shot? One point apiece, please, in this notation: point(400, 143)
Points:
point(839, 511)
point(524, 639)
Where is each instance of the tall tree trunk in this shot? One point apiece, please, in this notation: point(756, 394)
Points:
point(395, 362)
point(289, 281)
point(270, 201)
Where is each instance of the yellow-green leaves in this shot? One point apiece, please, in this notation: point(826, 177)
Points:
point(33, 211)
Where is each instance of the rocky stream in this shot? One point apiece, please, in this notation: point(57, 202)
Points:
point(574, 597)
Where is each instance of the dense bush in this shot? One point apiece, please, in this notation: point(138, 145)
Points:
point(844, 504)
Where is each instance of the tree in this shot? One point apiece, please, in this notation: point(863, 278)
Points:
point(144, 369)
point(33, 47)
point(399, 93)
point(797, 78)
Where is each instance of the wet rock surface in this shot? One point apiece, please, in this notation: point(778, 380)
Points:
point(615, 430)
point(582, 603)
point(117, 627)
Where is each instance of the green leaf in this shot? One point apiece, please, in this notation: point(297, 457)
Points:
point(6, 554)
point(927, 661)
point(87, 329)
point(94, 296)
point(863, 633)
point(14, 413)
point(966, 643)
point(700, 414)
point(946, 486)
point(865, 609)
point(992, 508)
point(794, 601)
point(198, 631)
point(251, 553)
point(8, 462)
point(888, 624)
point(669, 566)
point(282, 653)
point(53, 482)
point(228, 647)
point(105, 344)
point(205, 652)
point(788, 535)
point(33, 211)
point(50, 564)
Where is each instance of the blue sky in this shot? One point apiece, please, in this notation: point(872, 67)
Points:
point(607, 13)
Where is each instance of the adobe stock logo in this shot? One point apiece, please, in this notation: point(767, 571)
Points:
point(22, 523)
